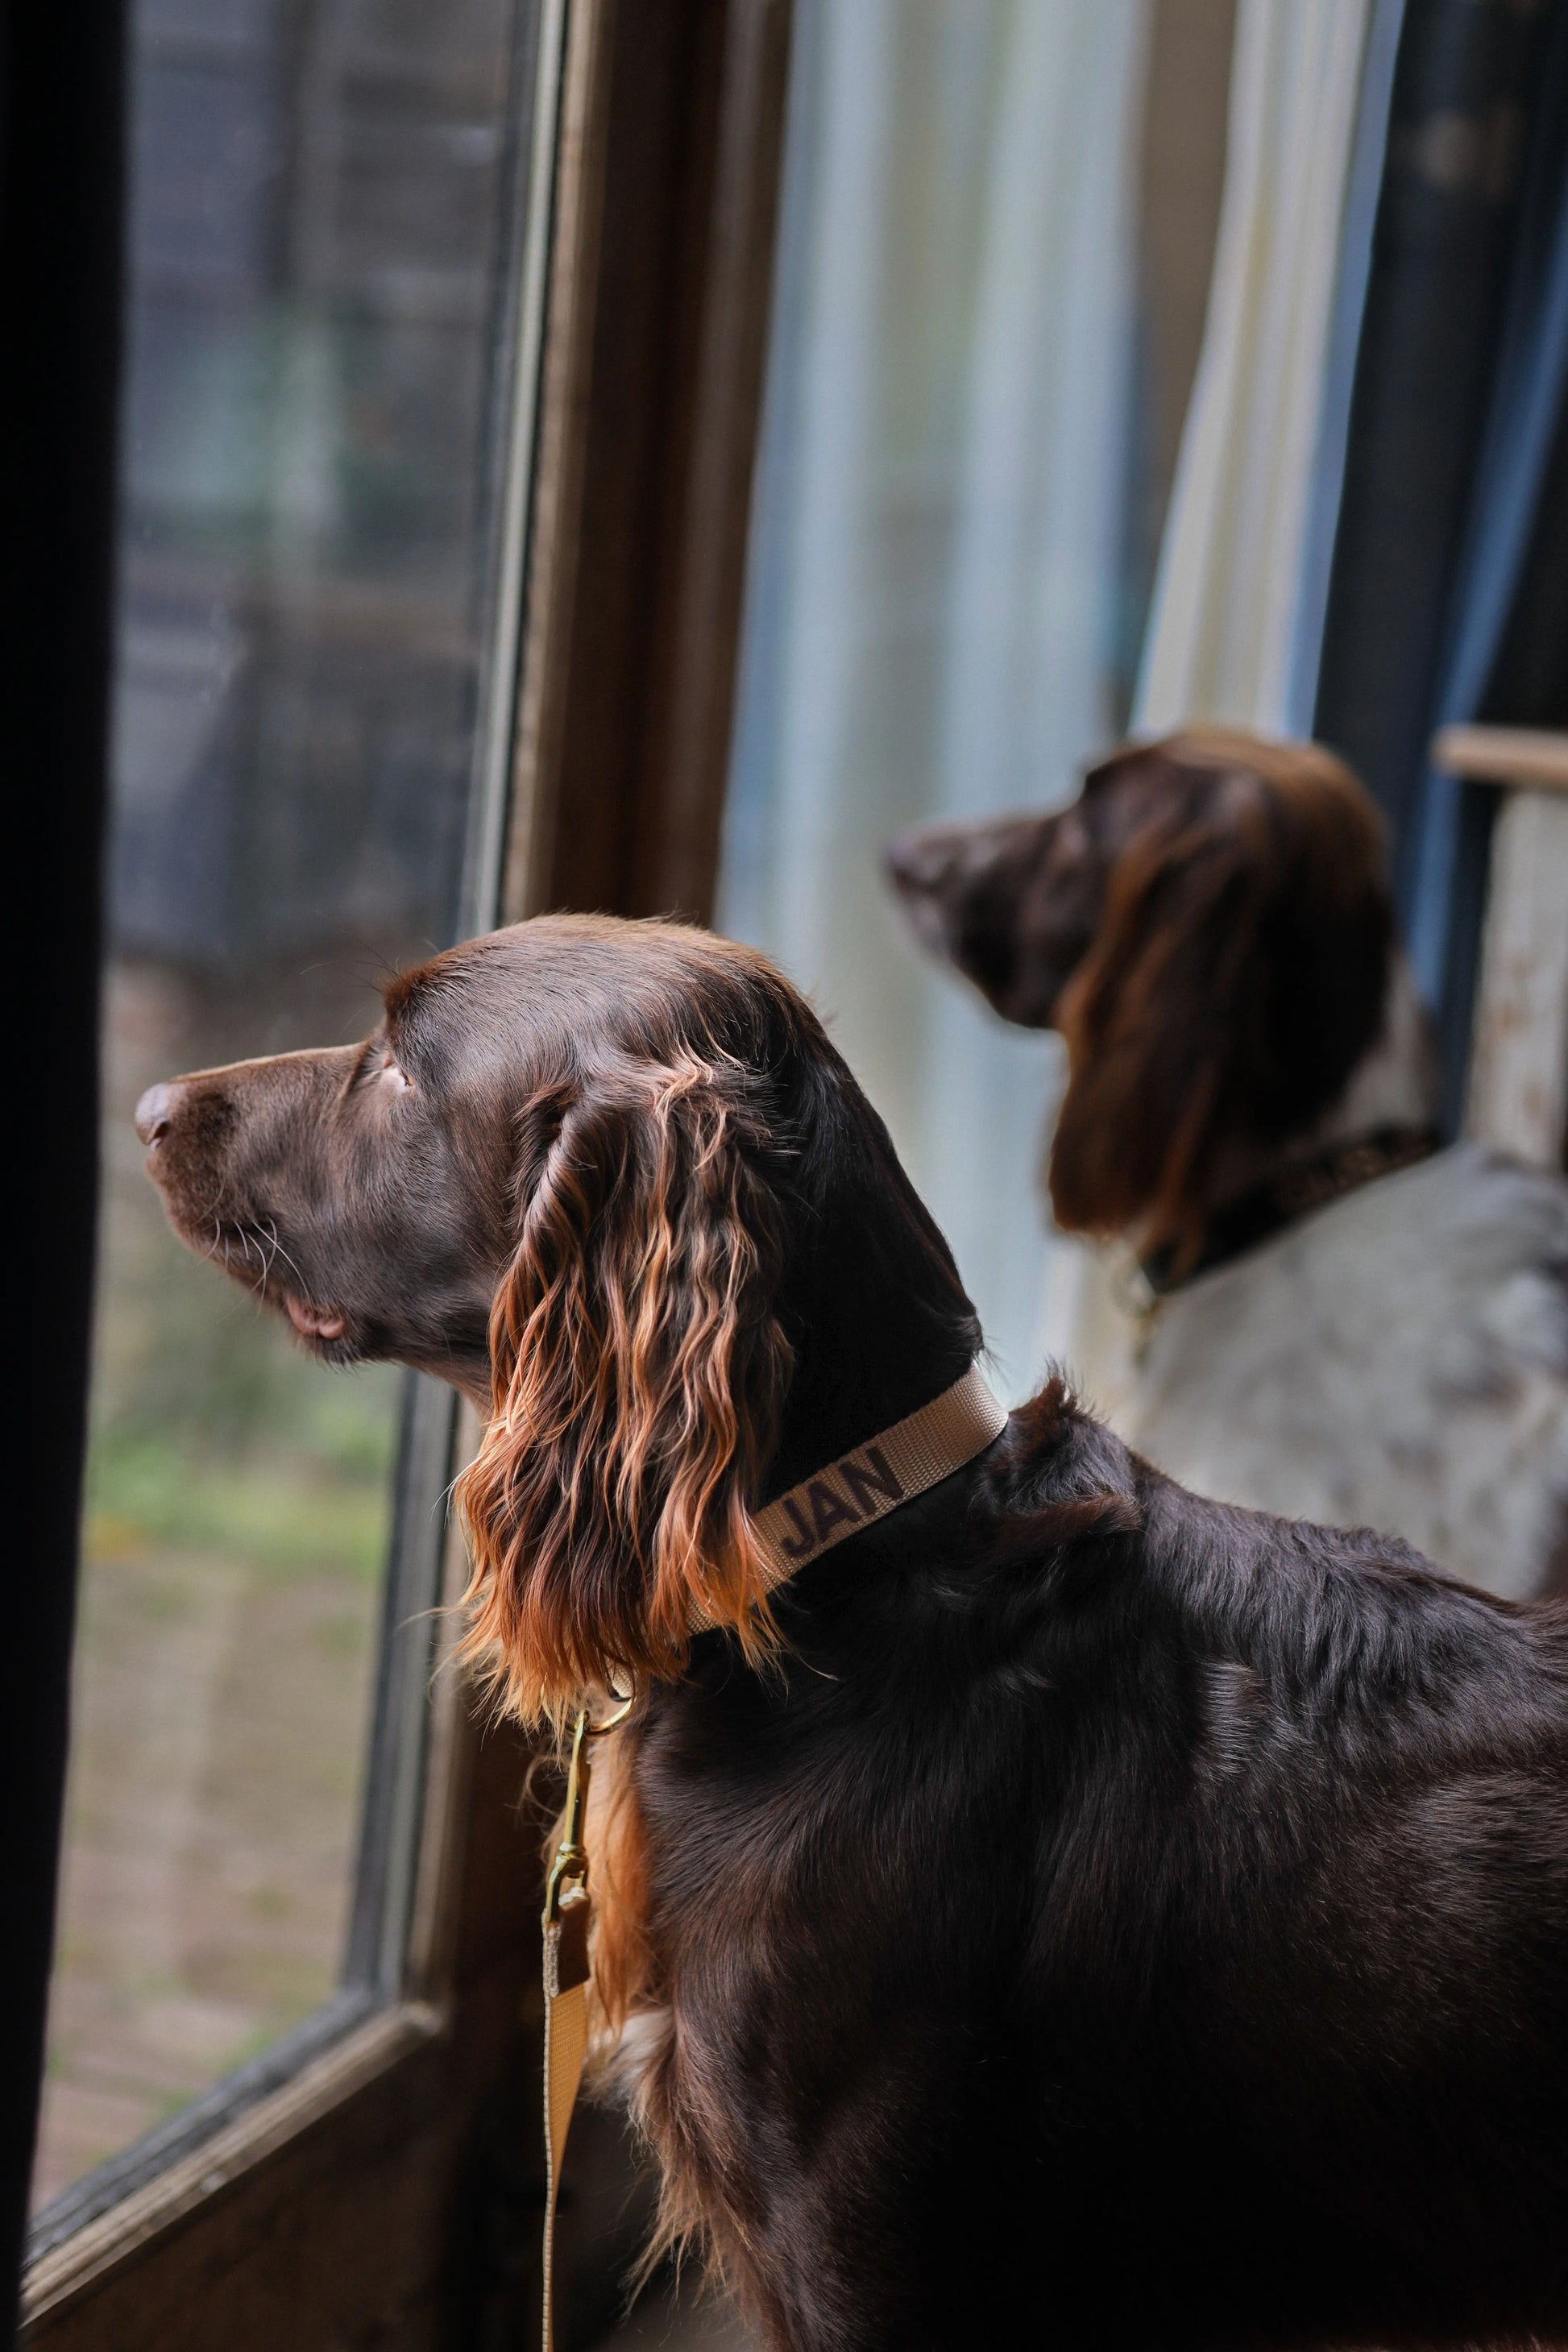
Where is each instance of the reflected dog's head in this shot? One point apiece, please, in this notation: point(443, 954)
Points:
point(1208, 928)
point(613, 1182)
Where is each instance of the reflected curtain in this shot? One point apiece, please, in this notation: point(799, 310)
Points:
point(937, 533)
point(1497, 618)
point(1234, 570)
point(1454, 409)
point(1236, 615)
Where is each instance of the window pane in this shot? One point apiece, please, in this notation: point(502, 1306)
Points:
point(319, 224)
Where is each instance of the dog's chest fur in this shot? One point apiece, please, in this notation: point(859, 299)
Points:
point(1398, 1360)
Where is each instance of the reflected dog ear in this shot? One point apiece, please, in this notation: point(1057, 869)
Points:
point(638, 1372)
point(1238, 977)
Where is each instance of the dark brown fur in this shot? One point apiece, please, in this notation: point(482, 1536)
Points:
point(1209, 928)
point(1094, 1917)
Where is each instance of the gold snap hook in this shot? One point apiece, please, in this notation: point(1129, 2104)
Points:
point(597, 1730)
point(568, 1880)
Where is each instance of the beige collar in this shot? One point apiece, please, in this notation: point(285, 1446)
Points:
point(864, 1484)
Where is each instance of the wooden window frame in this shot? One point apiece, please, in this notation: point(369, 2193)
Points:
point(374, 2180)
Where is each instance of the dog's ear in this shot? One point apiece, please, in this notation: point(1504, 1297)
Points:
point(637, 1371)
point(1238, 977)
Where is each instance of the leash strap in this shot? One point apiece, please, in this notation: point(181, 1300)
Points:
point(862, 1486)
point(568, 1912)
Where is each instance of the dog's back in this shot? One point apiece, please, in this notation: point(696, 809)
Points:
point(1146, 1919)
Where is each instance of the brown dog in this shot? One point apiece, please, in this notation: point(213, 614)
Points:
point(1065, 1904)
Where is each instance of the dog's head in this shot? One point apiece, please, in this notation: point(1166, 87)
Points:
point(611, 1180)
point(1209, 928)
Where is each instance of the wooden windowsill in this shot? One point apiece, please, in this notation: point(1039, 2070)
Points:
point(138, 2222)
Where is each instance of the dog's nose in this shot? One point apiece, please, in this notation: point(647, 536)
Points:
point(153, 1113)
point(918, 861)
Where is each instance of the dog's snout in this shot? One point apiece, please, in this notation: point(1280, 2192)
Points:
point(918, 861)
point(155, 1113)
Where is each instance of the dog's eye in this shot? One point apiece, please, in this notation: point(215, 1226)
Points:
point(387, 1072)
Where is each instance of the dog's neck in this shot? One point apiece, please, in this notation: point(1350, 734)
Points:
point(1394, 1086)
point(1397, 1083)
point(871, 1301)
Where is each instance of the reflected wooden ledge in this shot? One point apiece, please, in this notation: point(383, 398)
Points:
point(1517, 1092)
point(1533, 757)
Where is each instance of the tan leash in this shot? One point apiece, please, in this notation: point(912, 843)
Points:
point(862, 1486)
point(568, 1916)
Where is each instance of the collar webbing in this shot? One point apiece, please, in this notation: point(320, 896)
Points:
point(864, 1484)
point(1293, 1191)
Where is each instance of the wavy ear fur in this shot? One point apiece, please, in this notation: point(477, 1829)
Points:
point(637, 1371)
point(1238, 977)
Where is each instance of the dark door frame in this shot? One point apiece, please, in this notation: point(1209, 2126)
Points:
point(61, 166)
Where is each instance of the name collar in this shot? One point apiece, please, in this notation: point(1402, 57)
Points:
point(864, 1484)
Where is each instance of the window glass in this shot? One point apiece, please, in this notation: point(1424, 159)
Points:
point(320, 242)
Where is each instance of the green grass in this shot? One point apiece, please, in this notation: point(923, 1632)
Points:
point(282, 1510)
point(212, 1431)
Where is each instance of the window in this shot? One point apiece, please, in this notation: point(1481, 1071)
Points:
point(328, 233)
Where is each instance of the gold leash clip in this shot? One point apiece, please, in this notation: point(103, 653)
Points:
point(568, 1913)
point(567, 1885)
